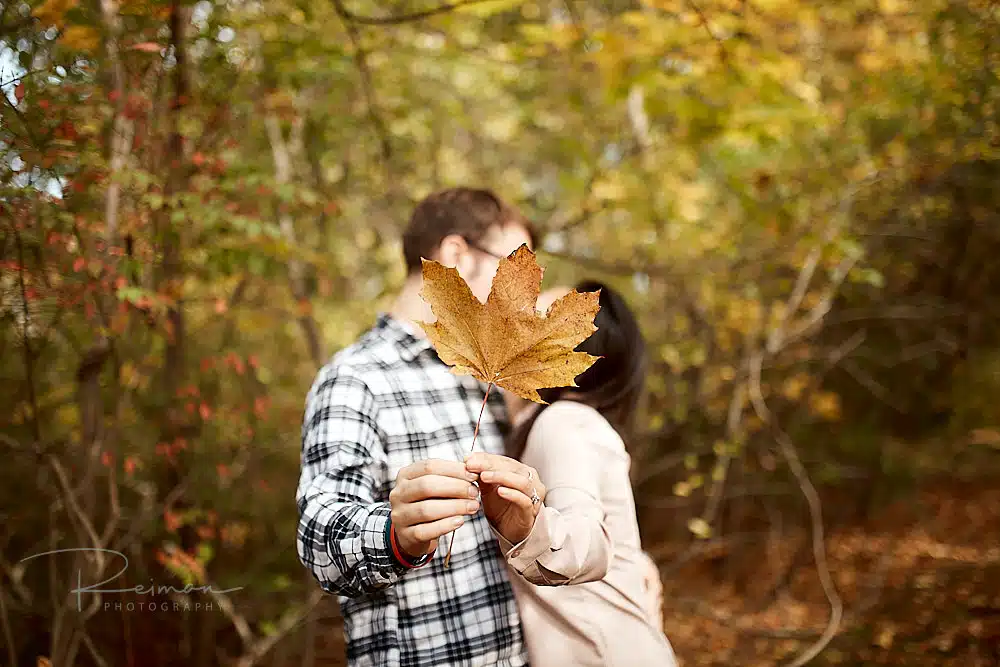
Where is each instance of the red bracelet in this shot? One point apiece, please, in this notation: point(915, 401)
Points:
point(401, 556)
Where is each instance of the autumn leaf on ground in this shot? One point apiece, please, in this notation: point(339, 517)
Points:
point(506, 342)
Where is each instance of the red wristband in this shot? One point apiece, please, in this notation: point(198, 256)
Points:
point(401, 556)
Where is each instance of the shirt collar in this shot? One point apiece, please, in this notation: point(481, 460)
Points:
point(402, 335)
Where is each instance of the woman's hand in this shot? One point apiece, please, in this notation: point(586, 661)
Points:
point(511, 493)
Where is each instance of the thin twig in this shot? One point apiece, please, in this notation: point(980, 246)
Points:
point(447, 558)
point(723, 52)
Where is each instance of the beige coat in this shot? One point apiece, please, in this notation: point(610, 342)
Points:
point(591, 602)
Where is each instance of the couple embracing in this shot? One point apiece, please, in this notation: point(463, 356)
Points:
point(547, 569)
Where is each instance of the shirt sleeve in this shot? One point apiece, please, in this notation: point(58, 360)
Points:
point(342, 536)
point(570, 542)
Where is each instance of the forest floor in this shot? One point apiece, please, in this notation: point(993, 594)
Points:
point(920, 584)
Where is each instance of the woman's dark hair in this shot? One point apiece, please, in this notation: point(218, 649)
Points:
point(613, 385)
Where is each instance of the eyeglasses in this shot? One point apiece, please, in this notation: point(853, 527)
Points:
point(476, 246)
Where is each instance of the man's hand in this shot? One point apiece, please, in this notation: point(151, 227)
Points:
point(431, 498)
point(511, 491)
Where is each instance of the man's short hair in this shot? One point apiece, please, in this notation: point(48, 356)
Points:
point(469, 212)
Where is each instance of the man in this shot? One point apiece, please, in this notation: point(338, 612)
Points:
point(385, 432)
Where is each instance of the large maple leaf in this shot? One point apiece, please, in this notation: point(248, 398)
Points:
point(506, 342)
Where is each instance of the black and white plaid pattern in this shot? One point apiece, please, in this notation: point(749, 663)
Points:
point(379, 405)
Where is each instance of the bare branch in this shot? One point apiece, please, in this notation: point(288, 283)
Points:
point(400, 18)
point(75, 510)
point(122, 126)
point(8, 634)
point(261, 647)
point(733, 421)
point(815, 512)
point(776, 339)
point(283, 173)
point(877, 389)
point(29, 359)
point(367, 82)
point(238, 621)
point(638, 117)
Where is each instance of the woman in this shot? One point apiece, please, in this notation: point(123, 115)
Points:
point(596, 598)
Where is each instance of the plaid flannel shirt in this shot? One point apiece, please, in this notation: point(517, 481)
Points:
point(377, 406)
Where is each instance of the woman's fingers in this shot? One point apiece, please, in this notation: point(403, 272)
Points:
point(515, 487)
point(516, 497)
point(511, 480)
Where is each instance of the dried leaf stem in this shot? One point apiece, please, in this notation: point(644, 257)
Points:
point(482, 409)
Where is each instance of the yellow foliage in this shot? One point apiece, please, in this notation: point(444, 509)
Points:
point(81, 38)
point(793, 387)
point(52, 12)
point(826, 405)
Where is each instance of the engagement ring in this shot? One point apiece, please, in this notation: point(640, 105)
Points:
point(534, 496)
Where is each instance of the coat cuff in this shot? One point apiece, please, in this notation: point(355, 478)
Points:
point(539, 541)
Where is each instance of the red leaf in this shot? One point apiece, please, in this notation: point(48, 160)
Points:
point(260, 406)
point(198, 159)
point(207, 364)
point(223, 470)
point(205, 411)
point(220, 306)
point(19, 92)
point(113, 96)
point(172, 520)
point(43, 105)
point(148, 47)
point(106, 459)
point(130, 465)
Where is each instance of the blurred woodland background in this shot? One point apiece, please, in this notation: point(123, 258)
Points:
point(201, 201)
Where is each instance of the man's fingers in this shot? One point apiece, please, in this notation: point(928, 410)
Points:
point(480, 461)
point(429, 511)
point(434, 486)
point(440, 467)
point(428, 532)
